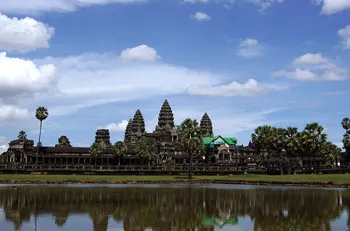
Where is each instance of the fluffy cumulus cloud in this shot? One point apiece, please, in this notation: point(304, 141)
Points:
point(20, 77)
point(332, 6)
point(314, 67)
point(93, 79)
point(38, 6)
point(310, 58)
point(345, 36)
point(3, 148)
point(23, 34)
point(3, 144)
point(250, 88)
point(10, 113)
point(200, 16)
point(140, 53)
point(249, 48)
point(117, 127)
point(262, 4)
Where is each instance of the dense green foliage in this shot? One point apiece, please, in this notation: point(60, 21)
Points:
point(96, 150)
point(190, 140)
point(346, 138)
point(311, 141)
point(146, 148)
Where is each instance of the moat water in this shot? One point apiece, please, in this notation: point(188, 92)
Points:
point(172, 207)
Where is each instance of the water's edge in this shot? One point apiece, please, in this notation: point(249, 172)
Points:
point(242, 182)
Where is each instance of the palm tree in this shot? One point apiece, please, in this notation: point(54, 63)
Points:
point(96, 150)
point(119, 148)
point(190, 140)
point(331, 152)
point(41, 114)
point(146, 148)
point(312, 139)
point(346, 138)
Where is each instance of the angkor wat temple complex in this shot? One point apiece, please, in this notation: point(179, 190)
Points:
point(218, 150)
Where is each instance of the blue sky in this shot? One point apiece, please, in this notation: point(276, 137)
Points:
point(245, 62)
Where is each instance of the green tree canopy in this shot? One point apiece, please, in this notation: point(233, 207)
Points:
point(346, 138)
point(146, 148)
point(190, 140)
point(119, 147)
point(312, 139)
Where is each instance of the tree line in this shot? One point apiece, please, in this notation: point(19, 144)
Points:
point(311, 141)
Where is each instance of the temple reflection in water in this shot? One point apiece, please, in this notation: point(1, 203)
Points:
point(173, 208)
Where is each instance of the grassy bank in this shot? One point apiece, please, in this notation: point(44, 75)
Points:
point(341, 180)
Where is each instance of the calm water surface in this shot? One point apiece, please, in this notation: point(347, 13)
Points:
point(178, 207)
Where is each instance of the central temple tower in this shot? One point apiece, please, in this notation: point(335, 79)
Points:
point(165, 118)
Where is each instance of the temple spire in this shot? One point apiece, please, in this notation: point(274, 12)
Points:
point(166, 117)
point(128, 131)
point(138, 124)
point(206, 126)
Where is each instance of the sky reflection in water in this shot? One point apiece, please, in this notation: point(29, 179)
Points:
point(172, 207)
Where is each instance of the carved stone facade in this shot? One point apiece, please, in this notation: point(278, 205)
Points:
point(217, 149)
point(102, 137)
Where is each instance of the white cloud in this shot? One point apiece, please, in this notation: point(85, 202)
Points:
point(250, 88)
point(310, 58)
point(93, 79)
point(345, 35)
point(200, 16)
point(243, 121)
point(140, 53)
point(262, 4)
point(38, 6)
point(314, 67)
point(10, 113)
point(23, 34)
point(3, 148)
point(249, 48)
point(298, 74)
point(196, 1)
point(20, 77)
point(332, 6)
point(117, 127)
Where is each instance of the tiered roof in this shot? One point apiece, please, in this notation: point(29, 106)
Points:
point(138, 124)
point(166, 117)
point(128, 131)
point(102, 136)
point(206, 126)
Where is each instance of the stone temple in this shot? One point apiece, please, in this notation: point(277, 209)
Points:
point(168, 149)
point(166, 137)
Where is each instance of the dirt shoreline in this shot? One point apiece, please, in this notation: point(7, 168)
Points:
point(239, 182)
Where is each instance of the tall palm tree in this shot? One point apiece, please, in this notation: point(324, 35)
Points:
point(331, 152)
point(41, 114)
point(119, 148)
point(190, 140)
point(313, 139)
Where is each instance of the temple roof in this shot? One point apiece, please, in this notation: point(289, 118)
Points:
point(166, 117)
point(206, 126)
point(138, 123)
point(209, 140)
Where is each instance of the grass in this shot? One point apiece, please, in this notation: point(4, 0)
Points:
point(331, 179)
